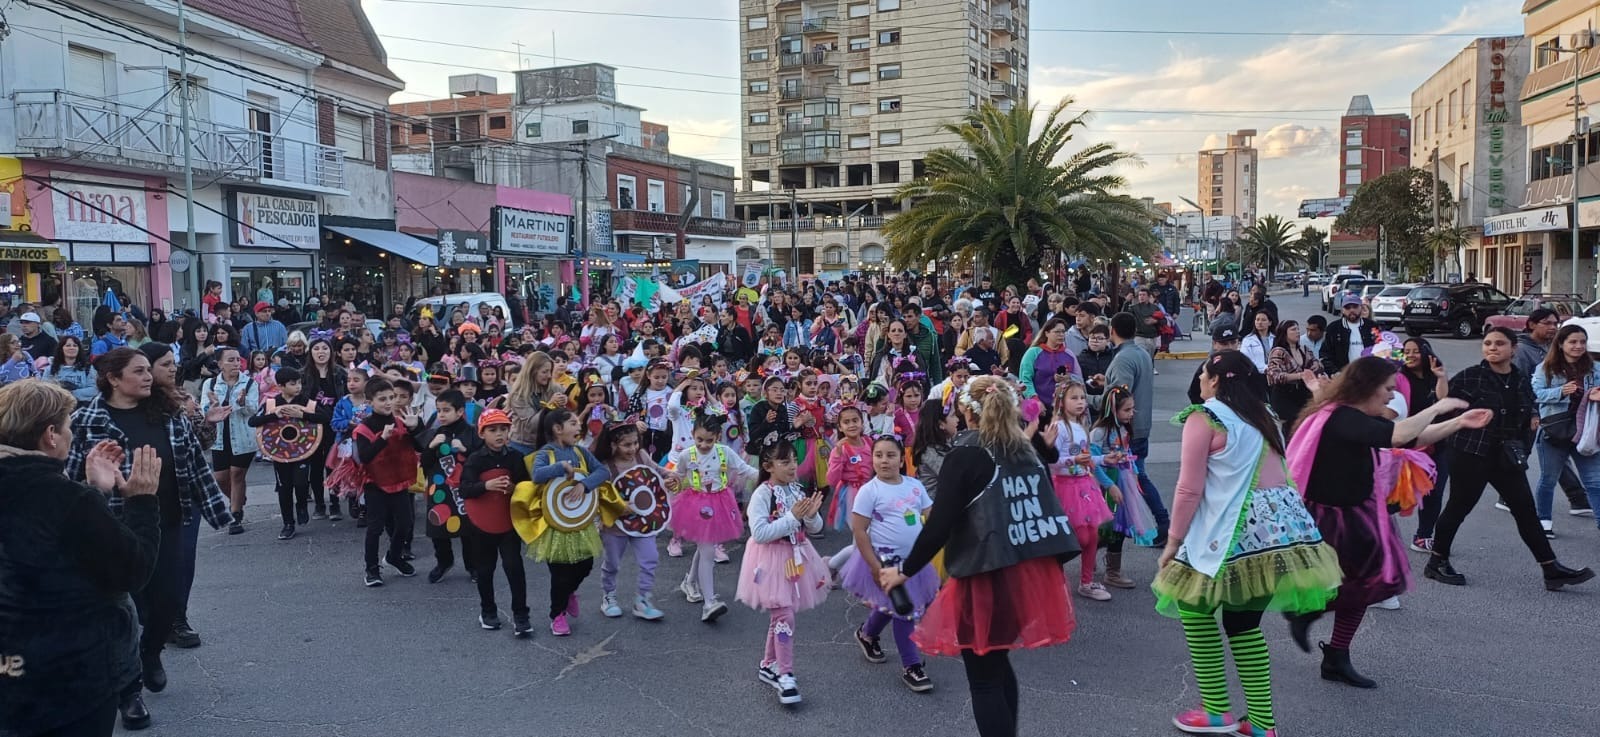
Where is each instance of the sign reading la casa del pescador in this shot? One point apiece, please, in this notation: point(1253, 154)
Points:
point(525, 232)
point(277, 221)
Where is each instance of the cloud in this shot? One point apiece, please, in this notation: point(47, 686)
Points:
point(1292, 139)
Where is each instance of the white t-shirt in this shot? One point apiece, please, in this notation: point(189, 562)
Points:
point(895, 511)
point(656, 402)
point(1356, 346)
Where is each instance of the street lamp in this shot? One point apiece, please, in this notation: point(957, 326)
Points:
point(1203, 236)
point(847, 230)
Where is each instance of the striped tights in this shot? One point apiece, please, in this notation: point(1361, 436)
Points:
point(1250, 658)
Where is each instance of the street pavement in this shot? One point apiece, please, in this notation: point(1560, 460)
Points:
point(296, 646)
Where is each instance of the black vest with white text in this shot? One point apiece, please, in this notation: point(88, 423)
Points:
point(1016, 518)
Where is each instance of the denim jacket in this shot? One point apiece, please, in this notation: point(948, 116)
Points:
point(1547, 390)
point(241, 435)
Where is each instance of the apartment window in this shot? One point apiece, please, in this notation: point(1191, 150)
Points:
point(860, 10)
point(580, 127)
point(825, 106)
point(761, 118)
point(889, 38)
point(972, 67)
point(1451, 111)
point(760, 86)
point(699, 205)
point(1545, 53)
point(655, 194)
point(719, 205)
point(972, 100)
point(972, 33)
point(1352, 176)
point(885, 5)
point(627, 192)
point(760, 148)
point(89, 72)
point(860, 76)
point(888, 71)
point(497, 122)
point(860, 109)
point(860, 43)
point(755, 22)
point(1352, 137)
point(889, 138)
point(859, 141)
point(760, 54)
point(1352, 157)
point(418, 129)
point(1247, 168)
point(533, 130)
point(199, 101)
point(1466, 99)
point(353, 133)
point(888, 104)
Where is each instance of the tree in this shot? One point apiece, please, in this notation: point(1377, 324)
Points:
point(1314, 245)
point(1006, 201)
point(1446, 242)
point(1401, 203)
point(1270, 241)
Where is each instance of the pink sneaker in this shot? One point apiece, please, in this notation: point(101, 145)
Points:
point(1200, 721)
point(559, 626)
point(674, 548)
point(572, 606)
point(720, 554)
point(1245, 730)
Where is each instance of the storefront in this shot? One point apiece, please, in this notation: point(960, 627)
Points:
point(535, 251)
point(273, 247)
point(1511, 254)
point(463, 263)
point(375, 267)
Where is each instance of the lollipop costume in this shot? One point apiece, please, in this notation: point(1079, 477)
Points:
point(849, 466)
point(559, 532)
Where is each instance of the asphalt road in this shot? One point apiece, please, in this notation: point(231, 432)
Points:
point(294, 645)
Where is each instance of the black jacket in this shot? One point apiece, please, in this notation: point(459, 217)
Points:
point(1093, 364)
point(66, 567)
point(1336, 346)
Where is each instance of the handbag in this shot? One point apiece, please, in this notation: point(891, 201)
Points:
point(1559, 428)
point(1516, 453)
point(1588, 443)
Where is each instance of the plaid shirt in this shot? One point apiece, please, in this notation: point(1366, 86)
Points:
point(1482, 388)
point(196, 486)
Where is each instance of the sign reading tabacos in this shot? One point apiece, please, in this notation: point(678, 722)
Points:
point(86, 208)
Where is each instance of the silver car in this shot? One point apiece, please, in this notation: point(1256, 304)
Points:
point(1389, 304)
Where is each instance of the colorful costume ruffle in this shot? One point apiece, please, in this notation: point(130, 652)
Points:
point(857, 578)
point(1022, 606)
point(1083, 501)
point(782, 574)
point(706, 517)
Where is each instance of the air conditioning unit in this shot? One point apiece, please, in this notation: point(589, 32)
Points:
point(1584, 39)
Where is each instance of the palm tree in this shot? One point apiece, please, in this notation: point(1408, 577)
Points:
point(1006, 201)
point(1446, 242)
point(1270, 240)
point(1313, 244)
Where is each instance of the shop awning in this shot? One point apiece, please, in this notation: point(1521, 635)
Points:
point(618, 256)
point(399, 244)
point(23, 237)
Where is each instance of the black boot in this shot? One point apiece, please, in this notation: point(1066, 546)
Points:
point(155, 675)
point(183, 635)
point(1336, 667)
point(1557, 575)
point(1300, 628)
point(134, 714)
point(333, 508)
point(1439, 569)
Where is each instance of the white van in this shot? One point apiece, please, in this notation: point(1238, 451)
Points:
point(441, 306)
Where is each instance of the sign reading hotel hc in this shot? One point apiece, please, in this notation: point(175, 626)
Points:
point(1496, 117)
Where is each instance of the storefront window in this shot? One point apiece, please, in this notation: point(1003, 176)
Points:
point(86, 289)
point(269, 285)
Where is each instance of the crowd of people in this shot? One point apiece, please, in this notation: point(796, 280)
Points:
point(951, 447)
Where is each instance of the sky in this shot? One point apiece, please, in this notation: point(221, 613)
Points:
point(1157, 79)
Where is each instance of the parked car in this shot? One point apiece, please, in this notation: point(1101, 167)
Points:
point(1516, 314)
point(472, 300)
point(1354, 288)
point(1589, 320)
point(1389, 304)
point(1331, 293)
point(1458, 309)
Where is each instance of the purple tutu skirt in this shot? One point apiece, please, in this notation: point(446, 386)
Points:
point(706, 517)
point(1083, 501)
point(857, 579)
point(1371, 555)
point(781, 574)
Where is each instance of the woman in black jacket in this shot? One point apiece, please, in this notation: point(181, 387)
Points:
point(68, 626)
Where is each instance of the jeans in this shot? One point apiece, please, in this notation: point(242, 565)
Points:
point(1553, 462)
point(504, 548)
point(385, 511)
point(191, 541)
point(1469, 475)
point(1140, 447)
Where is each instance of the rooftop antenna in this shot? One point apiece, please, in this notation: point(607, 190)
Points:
point(520, 63)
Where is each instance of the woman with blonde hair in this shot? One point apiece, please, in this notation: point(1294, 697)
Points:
point(1005, 538)
point(531, 394)
point(68, 567)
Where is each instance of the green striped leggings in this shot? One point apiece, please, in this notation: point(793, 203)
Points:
point(1249, 658)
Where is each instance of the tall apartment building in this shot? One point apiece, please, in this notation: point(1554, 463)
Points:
point(1227, 178)
point(1374, 145)
point(843, 99)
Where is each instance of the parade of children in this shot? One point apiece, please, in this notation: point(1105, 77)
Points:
point(962, 519)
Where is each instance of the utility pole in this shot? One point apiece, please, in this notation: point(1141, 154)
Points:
point(1577, 164)
point(1435, 172)
point(185, 89)
point(794, 237)
point(583, 215)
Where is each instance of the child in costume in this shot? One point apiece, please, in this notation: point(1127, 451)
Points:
point(1109, 439)
point(567, 545)
point(810, 416)
point(636, 529)
point(688, 402)
point(343, 471)
point(849, 466)
point(771, 419)
point(387, 454)
point(781, 572)
point(293, 477)
point(488, 477)
point(1074, 480)
point(448, 443)
point(880, 414)
point(885, 521)
point(706, 512)
point(651, 403)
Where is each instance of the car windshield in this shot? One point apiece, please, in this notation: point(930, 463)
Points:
point(1395, 292)
point(1426, 293)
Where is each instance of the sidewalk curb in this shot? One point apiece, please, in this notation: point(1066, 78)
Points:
point(1183, 356)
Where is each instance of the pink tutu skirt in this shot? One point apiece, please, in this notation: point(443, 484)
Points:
point(858, 580)
point(781, 574)
point(1083, 501)
point(706, 517)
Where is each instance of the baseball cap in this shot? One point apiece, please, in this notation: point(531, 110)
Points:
point(30, 317)
point(493, 417)
point(1224, 334)
point(1349, 299)
point(263, 305)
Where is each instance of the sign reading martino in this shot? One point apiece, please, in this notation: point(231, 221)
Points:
point(522, 232)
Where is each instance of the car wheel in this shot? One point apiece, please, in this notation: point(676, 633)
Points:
point(1462, 328)
point(1414, 331)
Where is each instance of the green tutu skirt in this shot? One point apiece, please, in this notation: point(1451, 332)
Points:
point(1277, 562)
point(555, 546)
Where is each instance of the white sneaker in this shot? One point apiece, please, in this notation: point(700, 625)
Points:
point(691, 592)
point(1549, 528)
point(1094, 591)
point(1392, 603)
point(608, 605)
point(788, 690)
point(644, 608)
point(712, 610)
point(1581, 512)
point(1502, 506)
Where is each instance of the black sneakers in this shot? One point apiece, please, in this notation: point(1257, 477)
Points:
point(916, 679)
point(286, 533)
point(489, 620)
point(522, 625)
point(374, 578)
point(400, 566)
point(870, 648)
point(302, 515)
point(333, 510)
point(438, 572)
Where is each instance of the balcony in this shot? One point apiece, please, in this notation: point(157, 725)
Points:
point(811, 26)
point(818, 155)
point(62, 124)
point(642, 221)
point(814, 59)
point(1003, 90)
point(1004, 58)
point(1004, 24)
point(782, 4)
point(809, 124)
point(819, 222)
point(803, 91)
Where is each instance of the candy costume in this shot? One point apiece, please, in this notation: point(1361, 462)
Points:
point(557, 529)
point(705, 510)
point(811, 447)
point(781, 570)
point(849, 466)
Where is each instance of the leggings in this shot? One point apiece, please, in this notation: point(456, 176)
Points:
point(317, 466)
point(564, 581)
point(1088, 539)
point(293, 480)
point(702, 568)
point(877, 620)
point(993, 687)
point(1250, 658)
point(482, 550)
point(644, 553)
point(1468, 477)
point(779, 653)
